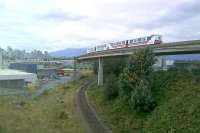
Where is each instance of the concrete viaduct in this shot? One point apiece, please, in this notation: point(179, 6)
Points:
point(174, 48)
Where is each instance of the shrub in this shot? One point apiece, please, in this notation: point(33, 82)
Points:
point(111, 87)
point(134, 82)
point(159, 80)
point(95, 67)
point(111, 66)
point(114, 65)
point(141, 98)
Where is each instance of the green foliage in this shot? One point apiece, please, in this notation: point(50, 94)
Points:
point(177, 111)
point(134, 83)
point(112, 69)
point(160, 80)
point(114, 65)
point(111, 87)
point(111, 65)
point(95, 67)
point(141, 98)
point(141, 62)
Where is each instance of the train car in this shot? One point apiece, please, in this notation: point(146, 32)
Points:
point(116, 45)
point(155, 39)
point(91, 50)
point(149, 40)
point(102, 47)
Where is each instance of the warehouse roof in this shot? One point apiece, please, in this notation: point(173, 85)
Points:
point(7, 74)
point(11, 72)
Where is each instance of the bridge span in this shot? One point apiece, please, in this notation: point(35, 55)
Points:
point(184, 47)
point(174, 48)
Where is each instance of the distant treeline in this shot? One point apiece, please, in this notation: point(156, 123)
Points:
point(13, 54)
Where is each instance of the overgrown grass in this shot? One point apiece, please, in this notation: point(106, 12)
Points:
point(53, 112)
point(178, 109)
point(32, 87)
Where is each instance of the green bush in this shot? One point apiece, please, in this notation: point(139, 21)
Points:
point(134, 81)
point(111, 66)
point(95, 67)
point(111, 87)
point(114, 65)
point(141, 98)
point(160, 80)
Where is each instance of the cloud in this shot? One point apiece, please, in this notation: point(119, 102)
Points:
point(174, 15)
point(61, 16)
point(2, 7)
point(59, 24)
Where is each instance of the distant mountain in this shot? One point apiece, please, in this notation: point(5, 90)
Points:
point(69, 52)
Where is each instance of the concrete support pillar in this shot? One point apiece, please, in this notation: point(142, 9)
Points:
point(100, 72)
point(75, 70)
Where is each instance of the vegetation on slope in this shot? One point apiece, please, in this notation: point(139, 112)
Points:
point(53, 112)
point(139, 99)
point(178, 108)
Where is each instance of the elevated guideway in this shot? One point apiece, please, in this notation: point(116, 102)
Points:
point(174, 48)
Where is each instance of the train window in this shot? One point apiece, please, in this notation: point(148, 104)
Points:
point(148, 38)
point(131, 41)
point(139, 39)
point(143, 39)
point(123, 42)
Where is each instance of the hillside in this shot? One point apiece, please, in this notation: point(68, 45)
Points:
point(52, 112)
point(69, 52)
point(178, 108)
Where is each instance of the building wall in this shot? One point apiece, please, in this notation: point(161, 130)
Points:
point(30, 68)
point(12, 84)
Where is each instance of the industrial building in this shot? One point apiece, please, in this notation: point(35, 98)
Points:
point(30, 68)
point(14, 79)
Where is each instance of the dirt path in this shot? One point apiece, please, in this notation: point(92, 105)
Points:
point(50, 85)
point(88, 115)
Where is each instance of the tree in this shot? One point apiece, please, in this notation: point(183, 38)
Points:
point(111, 66)
point(134, 82)
point(114, 65)
point(111, 87)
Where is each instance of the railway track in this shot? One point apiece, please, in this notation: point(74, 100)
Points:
point(88, 115)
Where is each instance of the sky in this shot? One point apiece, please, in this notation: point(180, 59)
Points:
point(58, 24)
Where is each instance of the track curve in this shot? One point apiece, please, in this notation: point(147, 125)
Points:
point(87, 113)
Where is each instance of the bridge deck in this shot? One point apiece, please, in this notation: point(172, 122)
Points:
point(184, 47)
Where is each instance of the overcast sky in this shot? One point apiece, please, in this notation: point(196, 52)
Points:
point(58, 24)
